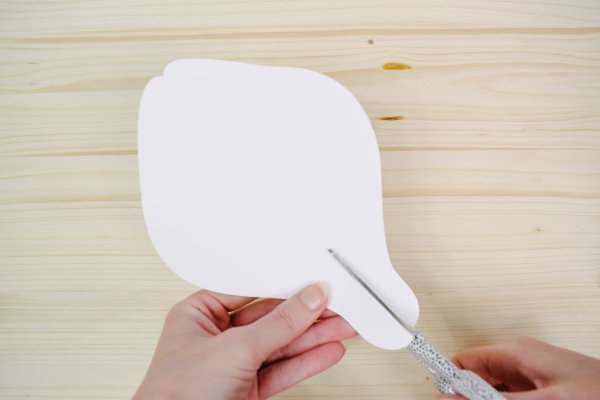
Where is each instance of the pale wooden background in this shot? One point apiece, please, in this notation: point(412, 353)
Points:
point(491, 178)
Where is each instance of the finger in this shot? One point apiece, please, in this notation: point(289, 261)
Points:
point(479, 359)
point(521, 364)
point(334, 329)
point(204, 308)
point(253, 311)
point(284, 374)
point(539, 394)
point(328, 314)
point(229, 302)
point(281, 326)
point(550, 392)
point(580, 390)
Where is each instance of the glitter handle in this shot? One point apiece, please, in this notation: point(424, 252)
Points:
point(447, 377)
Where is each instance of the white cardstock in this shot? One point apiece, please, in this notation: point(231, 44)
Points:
point(250, 173)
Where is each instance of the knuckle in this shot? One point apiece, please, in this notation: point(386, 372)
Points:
point(241, 346)
point(280, 353)
point(176, 309)
point(519, 350)
point(199, 298)
point(319, 334)
point(283, 318)
point(522, 342)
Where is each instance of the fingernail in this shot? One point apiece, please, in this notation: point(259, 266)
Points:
point(324, 288)
point(313, 297)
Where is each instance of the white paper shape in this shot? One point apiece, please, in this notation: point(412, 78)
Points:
point(249, 173)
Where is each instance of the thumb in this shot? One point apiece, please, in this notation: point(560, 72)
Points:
point(285, 323)
point(550, 392)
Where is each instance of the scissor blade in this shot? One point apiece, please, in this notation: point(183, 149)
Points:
point(361, 281)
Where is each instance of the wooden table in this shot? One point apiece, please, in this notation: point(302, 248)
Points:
point(489, 131)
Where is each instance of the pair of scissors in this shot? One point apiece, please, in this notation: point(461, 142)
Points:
point(447, 377)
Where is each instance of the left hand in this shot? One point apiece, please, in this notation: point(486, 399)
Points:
point(216, 346)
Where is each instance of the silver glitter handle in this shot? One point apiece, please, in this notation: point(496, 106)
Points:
point(447, 377)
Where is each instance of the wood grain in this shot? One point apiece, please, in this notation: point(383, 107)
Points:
point(490, 147)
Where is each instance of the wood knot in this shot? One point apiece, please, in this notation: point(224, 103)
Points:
point(391, 118)
point(390, 66)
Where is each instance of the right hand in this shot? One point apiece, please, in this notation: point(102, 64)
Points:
point(528, 369)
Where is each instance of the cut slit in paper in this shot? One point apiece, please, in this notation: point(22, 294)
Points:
point(249, 173)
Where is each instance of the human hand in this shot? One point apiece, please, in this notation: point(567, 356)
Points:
point(215, 346)
point(528, 369)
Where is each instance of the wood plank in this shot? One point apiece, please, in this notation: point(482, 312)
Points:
point(490, 149)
